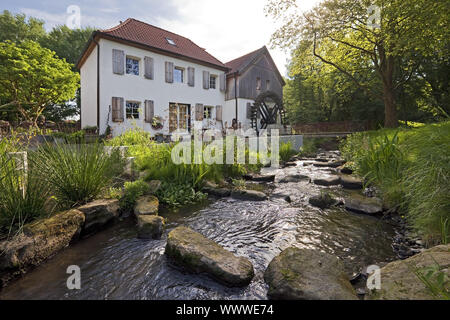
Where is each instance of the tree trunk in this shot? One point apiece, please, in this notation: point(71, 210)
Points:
point(390, 109)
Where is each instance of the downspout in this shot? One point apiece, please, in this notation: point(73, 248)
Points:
point(235, 94)
point(98, 85)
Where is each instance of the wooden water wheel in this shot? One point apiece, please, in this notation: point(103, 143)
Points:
point(267, 106)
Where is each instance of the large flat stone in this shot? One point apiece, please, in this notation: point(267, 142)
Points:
point(330, 181)
point(352, 183)
point(99, 214)
point(400, 282)
point(302, 274)
point(40, 240)
point(293, 178)
point(249, 195)
point(217, 192)
point(361, 204)
point(197, 254)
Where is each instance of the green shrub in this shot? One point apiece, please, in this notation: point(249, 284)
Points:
point(76, 174)
point(132, 191)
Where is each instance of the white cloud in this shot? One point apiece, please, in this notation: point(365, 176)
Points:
point(227, 29)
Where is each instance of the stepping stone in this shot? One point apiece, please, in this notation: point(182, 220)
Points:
point(150, 227)
point(293, 178)
point(331, 181)
point(361, 204)
point(351, 183)
point(147, 205)
point(197, 254)
point(218, 192)
point(249, 195)
point(304, 274)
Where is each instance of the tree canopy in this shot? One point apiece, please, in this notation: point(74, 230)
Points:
point(381, 54)
point(32, 78)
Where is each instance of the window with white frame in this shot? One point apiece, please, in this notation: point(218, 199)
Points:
point(132, 66)
point(258, 83)
point(132, 109)
point(207, 112)
point(178, 75)
point(212, 81)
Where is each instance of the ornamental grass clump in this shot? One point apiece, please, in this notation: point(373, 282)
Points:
point(76, 174)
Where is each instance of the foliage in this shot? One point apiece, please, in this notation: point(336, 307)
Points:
point(22, 67)
point(132, 191)
point(77, 173)
point(286, 151)
point(178, 194)
point(18, 28)
point(381, 60)
point(23, 197)
point(68, 44)
point(411, 167)
point(435, 279)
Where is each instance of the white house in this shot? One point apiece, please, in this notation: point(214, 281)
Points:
point(136, 74)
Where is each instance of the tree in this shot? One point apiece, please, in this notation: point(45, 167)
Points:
point(32, 78)
point(16, 27)
point(67, 43)
point(344, 37)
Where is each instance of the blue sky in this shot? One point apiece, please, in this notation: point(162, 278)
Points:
point(227, 29)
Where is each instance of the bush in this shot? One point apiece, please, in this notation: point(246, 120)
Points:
point(132, 191)
point(76, 174)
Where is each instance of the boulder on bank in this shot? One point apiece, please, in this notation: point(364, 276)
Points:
point(302, 274)
point(40, 240)
point(197, 254)
point(400, 282)
point(153, 186)
point(361, 204)
point(150, 227)
point(98, 214)
point(351, 183)
point(146, 205)
point(330, 181)
point(248, 195)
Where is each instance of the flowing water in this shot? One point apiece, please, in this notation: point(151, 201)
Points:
point(116, 265)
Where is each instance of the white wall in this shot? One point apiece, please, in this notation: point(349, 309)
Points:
point(138, 88)
point(88, 74)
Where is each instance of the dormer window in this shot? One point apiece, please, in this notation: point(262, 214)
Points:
point(171, 42)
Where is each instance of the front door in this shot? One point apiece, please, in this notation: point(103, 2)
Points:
point(179, 117)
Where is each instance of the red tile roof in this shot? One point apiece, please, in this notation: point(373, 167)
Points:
point(146, 34)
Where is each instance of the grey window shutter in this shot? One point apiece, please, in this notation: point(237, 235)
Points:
point(148, 63)
point(149, 110)
point(117, 109)
point(205, 79)
point(191, 77)
point(218, 113)
point(199, 112)
point(249, 110)
point(169, 72)
point(118, 60)
point(223, 82)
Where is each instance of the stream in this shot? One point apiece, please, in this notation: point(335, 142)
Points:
point(116, 265)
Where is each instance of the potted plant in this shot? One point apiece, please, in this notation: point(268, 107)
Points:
point(157, 123)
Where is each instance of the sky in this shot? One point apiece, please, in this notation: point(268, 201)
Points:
point(226, 29)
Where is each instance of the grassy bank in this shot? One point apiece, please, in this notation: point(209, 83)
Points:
point(411, 167)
